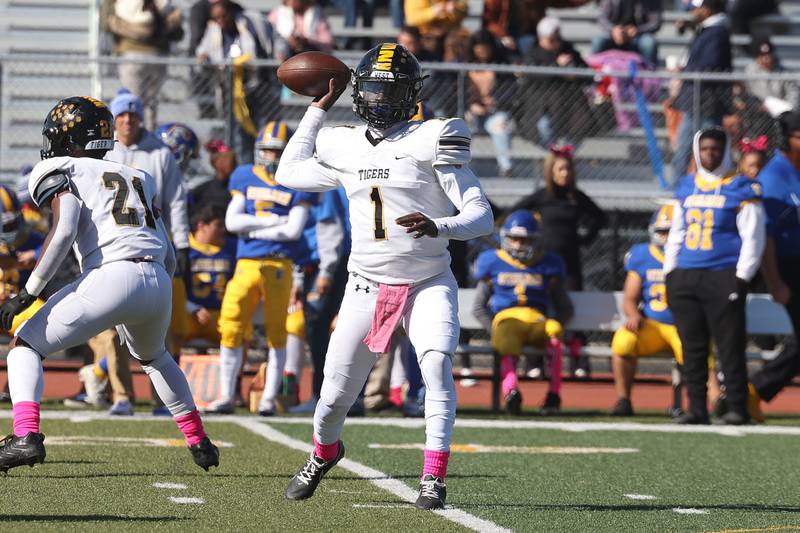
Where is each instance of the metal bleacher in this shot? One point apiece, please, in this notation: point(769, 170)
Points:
point(58, 29)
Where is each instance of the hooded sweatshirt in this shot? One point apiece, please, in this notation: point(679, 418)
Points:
point(718, 222)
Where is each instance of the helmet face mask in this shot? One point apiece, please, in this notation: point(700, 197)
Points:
point(12, 224)
point(519, 237)
point(386, 86)
point(181, 140)
point(660, 224)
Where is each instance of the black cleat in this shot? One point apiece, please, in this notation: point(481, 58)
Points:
point(17, 451)
point(623, 407)
point(513, 402)
point(205, 454)
point(551, 405)
point(691, 419)
point(732, 418)
point(305, 481)
point(720, 408)
point(432, 493)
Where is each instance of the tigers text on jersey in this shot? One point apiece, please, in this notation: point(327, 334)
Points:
point(116, 220)
point(264, 197)
point(710, 207)
point(515, 284)
point(212, 268)
point(13, 279)
point(647, 261)
point(387, 180)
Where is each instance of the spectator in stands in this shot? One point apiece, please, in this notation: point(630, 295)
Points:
point(142, 30)
point(139, 148)
point(522, 280)
point(713, 251)
point(435, 18)
point(649, 327)
point(710, 51)
point(754, 156)
point(531, 12)
point(546, 120)
point(300, 26)
point(202, 86)
point(501, 18)
point(490, 97)
point(781, 266)
point(766, 61)
point(215, 191)
point(240, 36)
point(569, 220)
point(744, 12)
point(630, 25)
point(410, 38)
point(440, 93)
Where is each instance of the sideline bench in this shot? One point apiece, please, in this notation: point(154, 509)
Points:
point(602, 312)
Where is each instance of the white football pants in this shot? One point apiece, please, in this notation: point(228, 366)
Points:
point(431, 322)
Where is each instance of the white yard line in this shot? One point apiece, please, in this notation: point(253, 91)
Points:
point(186, 500)
point(382, 506)
point(577, 427)
point(640, 496)
point(172, 486)
point(377, 478)
point(689, 510)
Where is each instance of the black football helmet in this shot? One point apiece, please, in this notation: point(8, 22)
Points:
point(77, 122)
point(386, 86)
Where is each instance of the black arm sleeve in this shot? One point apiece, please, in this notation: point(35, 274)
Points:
point(480, 308)
point(592, 217)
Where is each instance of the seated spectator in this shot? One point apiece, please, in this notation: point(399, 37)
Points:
point(215, 191)
point(521, 280)
point(300, 26)
point(490, 97)
point(710, 51)
point(630, 25)
point(754, 156)
point(240, 36)
point(546, 120)
point(530, 13)
point(410, 38)
point(440, 92)
point(766, 61)
point(435, 18)
point(501, 19)
point(649, 327)
point(142, 30)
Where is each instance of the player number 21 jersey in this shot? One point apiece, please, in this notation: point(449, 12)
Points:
point(116, 220)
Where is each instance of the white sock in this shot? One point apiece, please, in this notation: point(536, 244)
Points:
point(170, 383)
point(275, 366)
point(440, 400)
point(398, 375)
point(230, 361)
point(25, 377)
point(295, 350)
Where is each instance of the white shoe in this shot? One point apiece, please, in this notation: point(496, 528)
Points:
point(95, 387)
point(219, 407)
point(305, 408)
point(466, 379)
point(266, 407)
point(121, 408)
point(534, 373)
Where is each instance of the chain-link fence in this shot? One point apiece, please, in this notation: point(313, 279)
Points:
point(625, 125)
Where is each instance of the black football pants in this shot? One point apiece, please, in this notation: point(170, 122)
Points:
point(706, 306)
point(776, 374)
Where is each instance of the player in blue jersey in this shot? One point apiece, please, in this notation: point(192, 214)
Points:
point(269, 220)
point(714, 249)
point(649, 327)
point(517, 285)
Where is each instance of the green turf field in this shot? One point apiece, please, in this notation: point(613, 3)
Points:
point(102, 475)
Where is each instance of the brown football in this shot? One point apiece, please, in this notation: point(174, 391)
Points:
point(309, 73)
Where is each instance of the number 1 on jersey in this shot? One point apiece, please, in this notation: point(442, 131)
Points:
point(123, 215)
point(379, 227)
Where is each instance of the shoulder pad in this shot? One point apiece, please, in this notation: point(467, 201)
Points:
point(453, 144)
point(47, 178)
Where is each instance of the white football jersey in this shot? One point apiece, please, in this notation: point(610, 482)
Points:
point(116, 219)
point(387, 180)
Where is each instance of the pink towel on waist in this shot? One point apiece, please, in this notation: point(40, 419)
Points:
point(388, 311)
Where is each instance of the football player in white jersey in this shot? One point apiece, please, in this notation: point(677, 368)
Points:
point(404, 181)
point(104, 211)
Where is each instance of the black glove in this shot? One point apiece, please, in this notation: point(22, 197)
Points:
point(183, 268)
point(13, 307)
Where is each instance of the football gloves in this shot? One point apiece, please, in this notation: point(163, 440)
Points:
point(13, 307)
